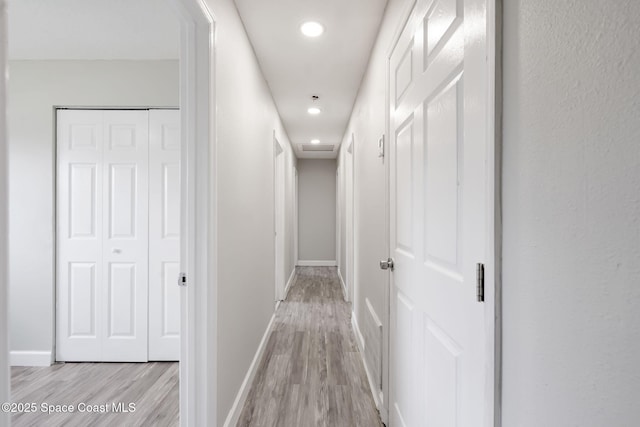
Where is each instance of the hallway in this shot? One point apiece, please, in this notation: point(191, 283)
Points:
point(311, 373)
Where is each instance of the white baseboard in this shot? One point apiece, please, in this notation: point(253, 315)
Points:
point(344, 286)
point(372, 383)
point(289, 282)
point(238, 404)
point(30, 358)
point(311, 263)
point(356, 331)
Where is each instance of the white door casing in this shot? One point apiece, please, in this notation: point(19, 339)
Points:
point(4, 229)
point(279, 220)
point(349, 213)
point(439, 199)
point(339, 203)
point(164, 234)
point(295, 217)
point(102, 235)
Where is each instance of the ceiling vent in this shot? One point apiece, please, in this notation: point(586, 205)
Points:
point(320, 147)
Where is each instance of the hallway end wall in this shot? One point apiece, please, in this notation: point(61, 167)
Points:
point(246, 118)
point(317, 211)
point(571, 210)
point(34, 89)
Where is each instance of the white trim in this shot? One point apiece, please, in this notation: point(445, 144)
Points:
point(377, 397)
point(493, 290)
point(241, 397)
point(295, 216)
point(316, 263)
point(5, 378)
point(344, 286)
point(198, 254)
point(356, 331)
point(292, 278)
point(31, 358)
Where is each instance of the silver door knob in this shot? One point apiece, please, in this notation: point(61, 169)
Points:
point(387, 265)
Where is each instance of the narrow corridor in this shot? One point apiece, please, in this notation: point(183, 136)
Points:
point(311, 373)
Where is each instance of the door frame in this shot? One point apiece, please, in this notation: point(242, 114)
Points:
point(198, 213)
point(350, 216)
point(5, 378)
point(279, 223)
point(295, 217)
point(493, 283)
point(339, 221)
point(198, 248)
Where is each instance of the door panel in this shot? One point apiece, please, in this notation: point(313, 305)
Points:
point(79, 216)
point(125, 241)
point(102, 235)
point(82, 302)
point(122, 300)
point(438, 136)
point(82, 195)
point(164, 234)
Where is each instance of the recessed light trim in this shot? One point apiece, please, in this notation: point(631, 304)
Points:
point(315, 141)
point(314, 110)
point(312, 29)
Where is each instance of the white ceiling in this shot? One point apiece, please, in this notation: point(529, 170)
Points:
point(92, 29)
point(296, 67)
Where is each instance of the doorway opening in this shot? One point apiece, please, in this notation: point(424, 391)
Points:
point(194, 92)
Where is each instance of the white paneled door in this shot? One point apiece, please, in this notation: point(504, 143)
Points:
point(438, 216)
point(164, 234)
point(103, 235)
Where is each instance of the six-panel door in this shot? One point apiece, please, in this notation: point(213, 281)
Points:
point(438, 89)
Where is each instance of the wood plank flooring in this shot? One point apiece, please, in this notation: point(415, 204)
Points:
point(152, 387)
point(311, 373)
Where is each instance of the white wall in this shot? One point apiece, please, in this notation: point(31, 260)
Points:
point(571, 208)
point(35, 87)
point(246, 118)
point(317, 209)
point(4, 339)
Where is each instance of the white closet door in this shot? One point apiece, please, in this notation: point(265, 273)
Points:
point(102, 235)
point(164, 234)
point(79, 235)
point(125, 235)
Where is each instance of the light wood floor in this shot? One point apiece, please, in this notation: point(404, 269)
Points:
point(152, 387)
point(311, 373)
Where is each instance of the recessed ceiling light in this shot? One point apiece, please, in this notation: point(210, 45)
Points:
point(315, 141)
point(311, 29)
point(313, 110)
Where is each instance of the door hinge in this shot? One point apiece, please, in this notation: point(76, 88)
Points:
point(182, 279)
point(480, 282)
